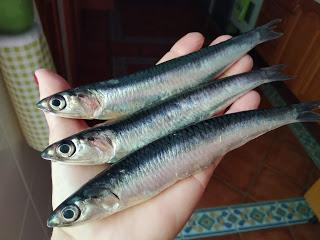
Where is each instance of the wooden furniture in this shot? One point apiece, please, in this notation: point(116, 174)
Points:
point(89, 56)
point(48, 13)
point(77, 32)
point(299, 48)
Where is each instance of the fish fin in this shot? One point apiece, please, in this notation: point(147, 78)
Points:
point(308, 117)
point(266, 31)
point(307, 106)
point(113, 81)
point(103, 143)
point(305, 113)
point(274, 73)
point(104, 196)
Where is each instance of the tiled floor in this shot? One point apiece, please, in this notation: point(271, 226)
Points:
point(273, 166)
point(245, 217)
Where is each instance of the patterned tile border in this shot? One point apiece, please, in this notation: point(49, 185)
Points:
point(219, 221)
point(310, 144)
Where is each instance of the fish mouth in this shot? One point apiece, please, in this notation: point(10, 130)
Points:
point(45, 156)
point(53, 222)
point(43, 105)
point(48, 154)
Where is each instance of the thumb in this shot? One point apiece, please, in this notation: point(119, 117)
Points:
point(59, 128)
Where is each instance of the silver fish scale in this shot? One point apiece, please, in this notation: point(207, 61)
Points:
point(124, 96)
point(151, 169)
point(144, 127)
point(148, 171)
point(190, 107)
point(130, 94)
point(144, 177)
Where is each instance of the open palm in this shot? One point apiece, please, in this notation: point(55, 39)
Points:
point(161, 217)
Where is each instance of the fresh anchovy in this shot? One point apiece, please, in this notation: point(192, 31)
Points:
point(108, 144)
point(121, 97)
point(151, 169)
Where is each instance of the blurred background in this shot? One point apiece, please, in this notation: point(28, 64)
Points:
point(87, 41)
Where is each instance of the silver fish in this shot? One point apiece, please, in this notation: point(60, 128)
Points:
point(148, 171)
point(109, 144)
point(121, 97)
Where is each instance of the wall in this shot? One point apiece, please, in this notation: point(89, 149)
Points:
point(25, 186)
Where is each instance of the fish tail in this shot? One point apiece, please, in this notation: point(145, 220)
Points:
point(305, 113)
point(266, 32)
point(274, 73)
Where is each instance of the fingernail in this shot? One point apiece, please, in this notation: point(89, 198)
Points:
point(35, 79)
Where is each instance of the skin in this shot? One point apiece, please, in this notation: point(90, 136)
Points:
point(159, 218)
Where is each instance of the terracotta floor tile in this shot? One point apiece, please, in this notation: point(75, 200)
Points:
point(226, 237)
point(315, 175)
point(295, 164)
point(241, 166)
point(249, 199)
point(285, 133)
point(306, 231)
point(219, 194)
point(271, 185)
point(268, 234)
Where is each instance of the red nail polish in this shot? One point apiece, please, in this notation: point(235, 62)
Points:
point(35, 79)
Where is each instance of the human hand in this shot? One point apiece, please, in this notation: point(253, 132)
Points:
point(161, 217)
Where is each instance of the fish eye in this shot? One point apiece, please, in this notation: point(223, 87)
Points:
point(70, 213)
point(66, 149)
point(57, 103)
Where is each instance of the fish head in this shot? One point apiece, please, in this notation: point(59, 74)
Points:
point(65, 215)
point(93, 203)
point(72, 104)
point(87, 148)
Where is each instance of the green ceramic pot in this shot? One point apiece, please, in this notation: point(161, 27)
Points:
point(16, 16)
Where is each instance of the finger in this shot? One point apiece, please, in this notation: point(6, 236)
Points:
point(220, 39)
point(187, 44)
point(249, 101)
point(51, 83)
point(194, 186)
point(241, 66)
point(182, 197)
point(194, 41)
point(244, 64)
point(177, 201)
